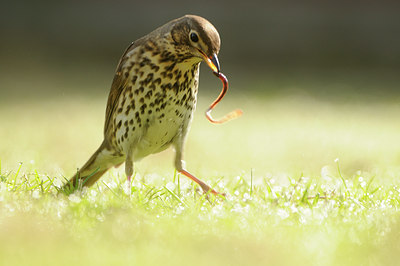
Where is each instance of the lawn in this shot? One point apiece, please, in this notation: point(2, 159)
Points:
point(311, 179)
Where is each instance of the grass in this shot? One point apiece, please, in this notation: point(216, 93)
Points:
point(308, 182)
point(323, 220)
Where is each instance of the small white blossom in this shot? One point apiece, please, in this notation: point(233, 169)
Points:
point(36, 194)
point(74, 198)
point(57, 182)
point(170, 185)
point(246, 196)
point(179, 210)
point(283, 214)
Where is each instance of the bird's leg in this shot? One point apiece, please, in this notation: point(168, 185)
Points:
point(179, 165)
point(206, 188)
point(129, 171)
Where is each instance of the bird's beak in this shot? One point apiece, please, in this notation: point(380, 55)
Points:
point(211, 61)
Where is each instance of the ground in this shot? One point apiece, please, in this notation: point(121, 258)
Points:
point(310, 178)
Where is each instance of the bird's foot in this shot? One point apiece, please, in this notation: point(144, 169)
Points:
point(214, 192)
point(206, 188)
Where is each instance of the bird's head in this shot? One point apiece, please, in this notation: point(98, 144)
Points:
point(195, 36)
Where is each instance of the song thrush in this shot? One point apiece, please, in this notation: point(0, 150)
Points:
point(153, 97)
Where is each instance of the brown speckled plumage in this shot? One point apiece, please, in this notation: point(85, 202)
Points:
point(153, 97)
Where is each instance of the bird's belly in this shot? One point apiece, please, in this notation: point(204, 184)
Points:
point(158, 137)
point(157, 132)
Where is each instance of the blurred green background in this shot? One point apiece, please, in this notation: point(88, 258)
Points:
point(47, 44)
point(316, 80)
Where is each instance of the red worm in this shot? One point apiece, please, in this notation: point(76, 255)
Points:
point(234, 114)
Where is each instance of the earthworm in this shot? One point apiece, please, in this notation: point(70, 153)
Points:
point(232, 115)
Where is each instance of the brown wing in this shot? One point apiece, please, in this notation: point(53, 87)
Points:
point(118, 85)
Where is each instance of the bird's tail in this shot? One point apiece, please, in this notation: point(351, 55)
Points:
point(102, 160)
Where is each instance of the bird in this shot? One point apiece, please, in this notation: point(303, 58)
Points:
point(153, 97)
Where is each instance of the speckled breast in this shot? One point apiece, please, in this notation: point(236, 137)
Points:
point(156, 106)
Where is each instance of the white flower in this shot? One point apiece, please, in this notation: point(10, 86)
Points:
point(179, 210)
point(57, 182)
point(325, 174)
point(170, 186)
point(283, 214)
point(36, 194)
point(74, 198)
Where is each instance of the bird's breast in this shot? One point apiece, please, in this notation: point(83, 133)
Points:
point(156, 105)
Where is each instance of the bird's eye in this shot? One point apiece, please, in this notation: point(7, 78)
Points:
point(194, 37)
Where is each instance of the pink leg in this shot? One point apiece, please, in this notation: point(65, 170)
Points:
point(203, 185)
point(129, 184)
point(180, 167)
point(129, 172)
